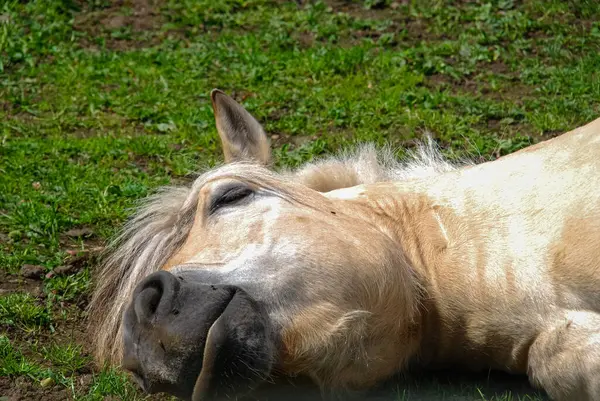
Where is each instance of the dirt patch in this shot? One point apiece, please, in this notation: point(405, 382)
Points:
point(126, 24)
point(510, 87)
point(305, 39)
point(551, 134)
point(86, 253)
point(11, 283)
point(407, 29)
point(498, 67)
point(357, 9)
point(22, 389)
point(105, 120)
point(292, 141)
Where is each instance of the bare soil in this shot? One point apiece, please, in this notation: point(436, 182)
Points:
point(143, 22)
point(67, 330)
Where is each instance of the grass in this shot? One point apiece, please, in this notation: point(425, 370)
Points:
point(22, 311)
point(14, 363)
point(67, 357)
point(102, 103)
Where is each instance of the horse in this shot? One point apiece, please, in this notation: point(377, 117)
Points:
point(355, 267)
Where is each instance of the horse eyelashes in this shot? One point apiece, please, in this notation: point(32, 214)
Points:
point(230, 196)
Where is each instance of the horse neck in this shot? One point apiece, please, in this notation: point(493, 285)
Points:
point(410, 219)
point(418, 226)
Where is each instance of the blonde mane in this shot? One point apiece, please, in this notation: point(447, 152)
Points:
point(162, 222)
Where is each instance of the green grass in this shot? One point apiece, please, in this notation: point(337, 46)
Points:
point(111, 383)
point(14, 363)
point(67, 362)
point(439, 390)
point(67, 357)
point(101, 104)
point(23, 312)
point(68, 288)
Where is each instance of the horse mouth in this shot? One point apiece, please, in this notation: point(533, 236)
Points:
point(238, 352)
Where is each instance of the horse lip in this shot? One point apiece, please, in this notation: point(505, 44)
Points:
point(133, 368)
point(200, 377)
point(198, 395)
point(199, 391)
point(141, 381)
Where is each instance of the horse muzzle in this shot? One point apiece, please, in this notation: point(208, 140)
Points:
point(196, 341)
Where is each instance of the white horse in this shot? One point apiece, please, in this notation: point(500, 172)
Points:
point(348, 270)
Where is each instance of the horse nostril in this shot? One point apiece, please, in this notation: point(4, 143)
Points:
point(155, 293)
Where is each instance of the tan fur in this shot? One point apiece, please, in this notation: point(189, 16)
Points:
point(523, 255)
point(338, 341)
point(492, 266)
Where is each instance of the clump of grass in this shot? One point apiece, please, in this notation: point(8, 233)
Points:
point(69, 287)
point(110, 382)
point(68, 359)
point(22, 311)
point(14, 363)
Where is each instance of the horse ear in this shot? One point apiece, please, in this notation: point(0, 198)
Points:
point(242, 137)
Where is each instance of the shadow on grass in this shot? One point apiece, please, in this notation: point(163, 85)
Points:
point(443, 385)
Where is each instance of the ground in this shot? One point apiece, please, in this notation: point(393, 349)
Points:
point(103, 101)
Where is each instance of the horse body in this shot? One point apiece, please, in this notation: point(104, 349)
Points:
point(509, 254)
point(346, 271)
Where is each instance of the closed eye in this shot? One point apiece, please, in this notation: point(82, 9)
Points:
point(228, 196)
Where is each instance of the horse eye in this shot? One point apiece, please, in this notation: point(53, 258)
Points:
point(230, 196)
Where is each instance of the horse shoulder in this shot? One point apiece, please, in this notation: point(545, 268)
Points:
point(523, 236)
